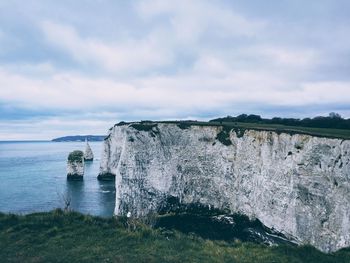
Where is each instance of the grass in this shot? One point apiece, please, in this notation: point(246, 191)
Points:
point(143, 126)
point(76, 156)
point(320, 132)
point(59, 236)
point(241, 126)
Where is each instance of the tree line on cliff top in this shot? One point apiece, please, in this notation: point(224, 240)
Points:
point(333, 121)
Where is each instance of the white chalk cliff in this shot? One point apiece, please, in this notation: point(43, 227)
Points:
point(296, 184)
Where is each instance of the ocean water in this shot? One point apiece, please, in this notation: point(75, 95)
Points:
point(33, 179)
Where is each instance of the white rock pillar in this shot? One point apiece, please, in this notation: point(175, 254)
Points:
point(88, 155)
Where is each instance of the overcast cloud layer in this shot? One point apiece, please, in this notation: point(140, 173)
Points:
point(78, 67)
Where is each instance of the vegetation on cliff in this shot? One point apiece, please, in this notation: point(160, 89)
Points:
point(332, 121)
point(60, 236)
point(332, 126)
point(76, 156)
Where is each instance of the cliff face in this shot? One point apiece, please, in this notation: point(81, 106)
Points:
point(296, 184)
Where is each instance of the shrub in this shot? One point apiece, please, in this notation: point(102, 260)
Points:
point(76, 156)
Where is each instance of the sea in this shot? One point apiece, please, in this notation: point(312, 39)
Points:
point(33, 178)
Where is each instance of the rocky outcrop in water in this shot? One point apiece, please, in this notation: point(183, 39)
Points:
point(298, 185)
point(88, 155)
point(75, 165)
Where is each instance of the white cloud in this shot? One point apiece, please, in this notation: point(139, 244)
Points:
point(190, 19)
point(185, 30)
point(179, 93)
point(41, 69)
point(130, 55)
point(288, 56)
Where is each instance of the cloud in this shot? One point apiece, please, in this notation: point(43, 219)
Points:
point(128, 55)
point(287, 57)
point(191, 19)
point(167, 60)
point(181, 93)
point(188, 27)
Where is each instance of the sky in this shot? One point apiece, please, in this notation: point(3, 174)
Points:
point(79, 67)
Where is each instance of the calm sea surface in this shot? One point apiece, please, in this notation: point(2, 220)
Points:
point(33, 179)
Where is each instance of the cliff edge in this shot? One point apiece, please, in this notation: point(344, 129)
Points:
point(296, 184)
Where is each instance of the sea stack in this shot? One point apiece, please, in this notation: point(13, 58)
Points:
point(88, 155)
point(75, 165)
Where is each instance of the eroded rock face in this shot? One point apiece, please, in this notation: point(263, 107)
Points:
point(297, 184)
point(75, 165)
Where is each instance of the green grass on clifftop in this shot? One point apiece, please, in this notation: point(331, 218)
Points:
point(279, 128)
point(242, 126)
point(58, 236)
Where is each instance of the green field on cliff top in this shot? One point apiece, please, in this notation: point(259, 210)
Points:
point(279, 128)
point(59, 236)
point(319, 132)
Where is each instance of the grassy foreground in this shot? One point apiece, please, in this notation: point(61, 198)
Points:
point(59, 236)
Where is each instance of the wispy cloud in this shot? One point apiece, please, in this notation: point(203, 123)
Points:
point(210, 84)
point(129, 55)
point(190, 20)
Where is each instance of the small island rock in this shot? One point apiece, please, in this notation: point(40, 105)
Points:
point(75, 165)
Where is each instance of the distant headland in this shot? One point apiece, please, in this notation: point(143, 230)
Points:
point(80, 138)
